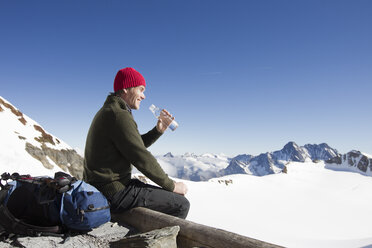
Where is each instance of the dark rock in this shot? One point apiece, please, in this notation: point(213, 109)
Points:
point(363, 164)
point(335, 160)
point(353, 160)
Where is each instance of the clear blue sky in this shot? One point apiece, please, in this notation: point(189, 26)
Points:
point(239, 76)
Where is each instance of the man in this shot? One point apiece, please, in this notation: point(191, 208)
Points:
point(114, 145)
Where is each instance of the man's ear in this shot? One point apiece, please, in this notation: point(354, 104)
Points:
point(125, 91)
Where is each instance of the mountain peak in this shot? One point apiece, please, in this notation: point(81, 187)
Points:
point(168, 155)
point(290, 146)
point(290, 152)
point(320, 152)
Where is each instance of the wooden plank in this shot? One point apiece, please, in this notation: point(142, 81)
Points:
point(191, 234)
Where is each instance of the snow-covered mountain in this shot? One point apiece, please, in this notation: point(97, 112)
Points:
point(193, 167)
point(352, 161)
point(203, 167)
point(26, 148)
point(274, 162)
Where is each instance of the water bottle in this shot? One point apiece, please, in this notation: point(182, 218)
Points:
point(156, 111)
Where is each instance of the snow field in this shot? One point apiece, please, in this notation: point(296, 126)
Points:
point(308, 206)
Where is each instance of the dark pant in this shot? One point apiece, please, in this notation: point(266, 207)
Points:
point(139, 194)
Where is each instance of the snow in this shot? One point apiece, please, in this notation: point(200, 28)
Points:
point(13, 156)
point(9, 121)
point(308, 207)
point(367, 155)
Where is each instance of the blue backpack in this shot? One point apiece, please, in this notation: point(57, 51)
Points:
point(36, 206)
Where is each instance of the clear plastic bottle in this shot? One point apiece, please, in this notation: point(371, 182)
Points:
point(156, 111)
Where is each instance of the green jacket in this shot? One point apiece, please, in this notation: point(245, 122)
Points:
point(114, 144)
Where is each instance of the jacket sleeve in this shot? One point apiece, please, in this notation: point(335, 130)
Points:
point(150, 137)
point(130, 144)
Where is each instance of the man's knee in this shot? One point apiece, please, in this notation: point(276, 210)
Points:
point(184, 207)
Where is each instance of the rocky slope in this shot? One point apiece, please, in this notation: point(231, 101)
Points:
point(25, 147)
point(352, 161)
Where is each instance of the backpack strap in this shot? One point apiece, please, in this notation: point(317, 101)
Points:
point(13, 225)
point(3, 193)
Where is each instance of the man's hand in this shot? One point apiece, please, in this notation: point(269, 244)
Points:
point(164, 120)
point(180, 188)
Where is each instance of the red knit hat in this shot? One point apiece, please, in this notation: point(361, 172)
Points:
point(127, 78)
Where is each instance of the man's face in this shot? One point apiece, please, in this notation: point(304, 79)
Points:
point(133, 96)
